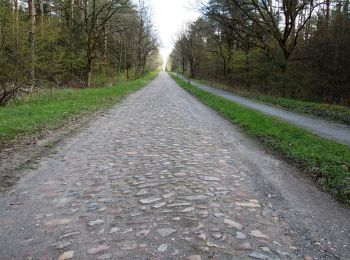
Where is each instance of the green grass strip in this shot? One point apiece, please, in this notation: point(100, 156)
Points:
point(337, 113)
point(327, 160)
point(48, 110)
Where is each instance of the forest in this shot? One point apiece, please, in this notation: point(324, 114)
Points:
point(73, 43)
point(289, 48)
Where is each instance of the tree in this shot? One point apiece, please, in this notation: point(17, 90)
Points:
point(294, 48)
point(72, 44)
point(96, 15)
point(147, 41)
point(32, 40)
point(278, 19)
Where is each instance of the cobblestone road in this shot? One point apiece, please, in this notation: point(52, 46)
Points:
point(160, 176)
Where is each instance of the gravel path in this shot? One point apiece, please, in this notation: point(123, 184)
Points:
point(161, 176)
point(334, 131)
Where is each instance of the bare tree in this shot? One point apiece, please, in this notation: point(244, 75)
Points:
point(79, 38)
point(96, 15)
point(261, 19)
point(146, 37)
point(32, 40)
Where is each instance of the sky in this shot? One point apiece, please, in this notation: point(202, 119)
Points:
point(170, 17)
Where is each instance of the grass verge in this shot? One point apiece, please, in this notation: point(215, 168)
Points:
point(325, 160)
point(337, 113)
point(48, 110)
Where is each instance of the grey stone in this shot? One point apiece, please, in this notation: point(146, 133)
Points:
point(149, 200)
point(92, 206)
point(196, 197)
point(62, 244)
point(164, 232)
point(98, 249)
point(128, 245)
point(266, 249)
point(162, 248)
point(168, 195)
point(209, 178)
point(202, 236)
point(282, 253)
point(113, 230)
point(217, 235)
point(179, 204)
point(66, 255)
point(69, 234)
point(211, 244)
point(233, 224)
point(104, 256)
point(240, 235)
point(159, 205)
point(187, 210)
point(142, 233)
point(257, 233)
point(194, 257)
point(259, 256)
point(244, 245)
point(96, 222)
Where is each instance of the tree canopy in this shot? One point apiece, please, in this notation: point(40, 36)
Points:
point(74, 43)
point(294, 48)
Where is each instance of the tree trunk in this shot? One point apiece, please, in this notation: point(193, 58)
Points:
point(32, 41)
point(13, 17)
point(48, 2)
point(191, 68)
point(16, 21)
point(89, 57)
point(284, 77)
point(41, 12)
point(247, 65)
point(327, 15)
point(120, 57)
point(17, 41)
point(89, 73)
point(126, 65)
point(105, 45)
point(71, 12)
point(224, 67)
point(58, 10)
point(144, 64)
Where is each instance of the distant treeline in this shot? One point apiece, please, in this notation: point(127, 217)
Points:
point(292, 48)
point(55, 43)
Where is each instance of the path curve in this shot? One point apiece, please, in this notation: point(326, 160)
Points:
point(161, 176)
point(331, 130)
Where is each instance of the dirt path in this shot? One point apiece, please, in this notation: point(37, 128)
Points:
point(334, 131)
point(161, 176)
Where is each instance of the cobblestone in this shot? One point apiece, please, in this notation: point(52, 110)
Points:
point(157, 177)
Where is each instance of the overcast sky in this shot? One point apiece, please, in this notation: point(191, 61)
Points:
point(169, 17)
